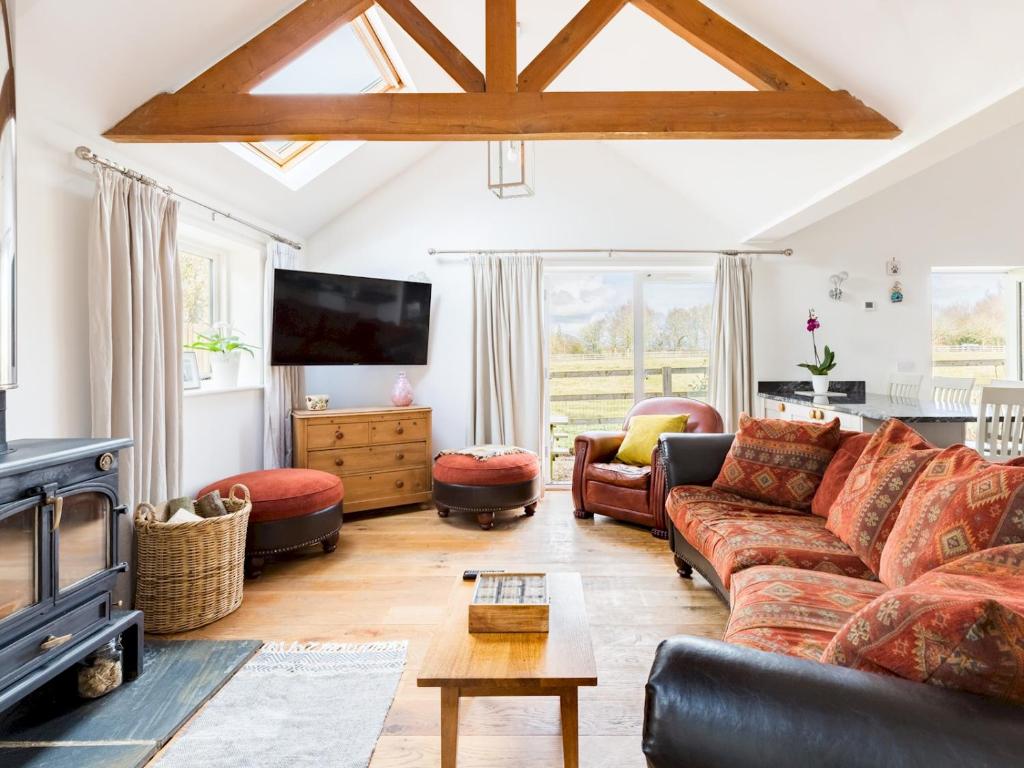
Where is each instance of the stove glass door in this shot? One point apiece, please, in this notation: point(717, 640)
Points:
point(19, 565)
point(83, 537)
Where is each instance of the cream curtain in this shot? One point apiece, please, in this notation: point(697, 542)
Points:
point(135, 333)
point(731, 366)
point(507, 401)
point(285, 385)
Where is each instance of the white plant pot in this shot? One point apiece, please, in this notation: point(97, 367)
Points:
point(819, 384)
point(224, 367)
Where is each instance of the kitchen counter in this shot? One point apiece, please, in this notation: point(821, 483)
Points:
point(941, 424)
point(881, 407)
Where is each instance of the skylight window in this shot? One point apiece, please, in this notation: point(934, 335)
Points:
point(351, 60)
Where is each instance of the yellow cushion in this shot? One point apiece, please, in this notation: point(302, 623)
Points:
point(642, 436)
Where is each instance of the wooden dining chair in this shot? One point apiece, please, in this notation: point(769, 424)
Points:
point(905, 386)
point(1001, 423)
point(952, 390)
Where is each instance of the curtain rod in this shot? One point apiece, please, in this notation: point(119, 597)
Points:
point(610, 252)
point(86, 154)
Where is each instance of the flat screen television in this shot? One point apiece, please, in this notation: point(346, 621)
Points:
point(323, 319)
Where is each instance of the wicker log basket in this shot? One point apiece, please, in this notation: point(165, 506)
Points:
point(190, 574)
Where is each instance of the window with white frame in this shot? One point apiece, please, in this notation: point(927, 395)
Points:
point(222, 292)
point(977, 329)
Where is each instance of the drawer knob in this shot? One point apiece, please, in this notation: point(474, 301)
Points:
point(399, 430)
point(400, 456)
point(399, 483)
point(339, 435)
point(54, 641)
point(339, 462)
point(781, 407)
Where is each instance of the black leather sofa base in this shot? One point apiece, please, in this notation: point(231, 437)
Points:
point(715, 705)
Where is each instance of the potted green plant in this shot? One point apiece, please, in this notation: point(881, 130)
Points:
point(823, 364)
point(225, 351)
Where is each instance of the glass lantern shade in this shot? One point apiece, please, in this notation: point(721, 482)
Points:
point(510, 167)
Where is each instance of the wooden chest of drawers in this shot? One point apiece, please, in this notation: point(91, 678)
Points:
point(382, 455)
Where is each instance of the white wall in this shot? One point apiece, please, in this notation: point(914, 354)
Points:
point(223, 435)
point(587, 196)
point(966, 211)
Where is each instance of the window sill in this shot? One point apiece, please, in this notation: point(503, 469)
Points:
point(209, 390)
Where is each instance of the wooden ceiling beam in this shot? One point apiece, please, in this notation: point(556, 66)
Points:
point(437, 46)
point(729, 45)
point(501, 66)
point(277, 46)
point(567, 44)
point(186, 117)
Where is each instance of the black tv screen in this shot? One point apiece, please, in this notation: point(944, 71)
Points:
point(322, 319)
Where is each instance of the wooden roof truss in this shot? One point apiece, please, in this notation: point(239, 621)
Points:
point(503, 102)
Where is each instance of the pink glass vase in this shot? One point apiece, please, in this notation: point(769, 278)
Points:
point(401, 393)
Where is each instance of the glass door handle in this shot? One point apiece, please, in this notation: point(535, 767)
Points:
point(58, 509)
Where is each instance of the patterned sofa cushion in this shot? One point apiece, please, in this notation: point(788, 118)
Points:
point(866, 508)
point(734, 533)
point(958, 626)
point(791, 611)
point(777, 461)
point(959, 504)
point(851, 446)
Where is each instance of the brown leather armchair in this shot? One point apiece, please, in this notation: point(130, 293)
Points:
point(622, 491)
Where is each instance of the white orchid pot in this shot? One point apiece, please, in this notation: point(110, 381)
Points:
point(819, 384)
point(224, 367)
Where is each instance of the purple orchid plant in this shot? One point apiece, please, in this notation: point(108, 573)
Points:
point(823, 364)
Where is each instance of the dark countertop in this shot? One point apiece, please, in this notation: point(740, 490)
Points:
point(880, 407)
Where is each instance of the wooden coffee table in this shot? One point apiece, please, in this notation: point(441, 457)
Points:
point(555, 663)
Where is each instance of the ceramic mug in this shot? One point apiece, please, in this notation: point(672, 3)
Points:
point(317, 402)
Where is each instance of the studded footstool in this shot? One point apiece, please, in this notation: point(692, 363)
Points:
point(485, 479)
point(291, 509)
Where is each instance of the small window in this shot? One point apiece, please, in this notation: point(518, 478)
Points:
point(199, 298)
point(974, 333)
point(222, 289)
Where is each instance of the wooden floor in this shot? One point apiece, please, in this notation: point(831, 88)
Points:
point(391, 578)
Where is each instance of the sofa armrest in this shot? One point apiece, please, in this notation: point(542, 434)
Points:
point(714, 704)
point(591, 448)
point(691, 458)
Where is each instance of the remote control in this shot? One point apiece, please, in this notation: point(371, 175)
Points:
point(471, 575)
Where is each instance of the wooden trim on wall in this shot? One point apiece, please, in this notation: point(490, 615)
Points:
point(729, 45)
point(435, 44)
point(567, 44)
point(277, 46)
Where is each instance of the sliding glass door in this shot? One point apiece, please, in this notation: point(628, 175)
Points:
point(617, 337)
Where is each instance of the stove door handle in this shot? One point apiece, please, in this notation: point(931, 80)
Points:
point(54, 641)
point(58, 509)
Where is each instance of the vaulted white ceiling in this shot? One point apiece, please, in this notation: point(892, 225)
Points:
point(928, 65)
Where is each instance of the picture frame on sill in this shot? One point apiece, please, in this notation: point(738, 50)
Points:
point(190, 370)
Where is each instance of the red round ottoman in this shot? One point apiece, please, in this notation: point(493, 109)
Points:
point(291, 509)
point(487, 479)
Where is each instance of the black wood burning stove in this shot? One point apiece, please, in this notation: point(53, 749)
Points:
point(59, 561)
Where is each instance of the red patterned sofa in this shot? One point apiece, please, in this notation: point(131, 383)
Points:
point(832, 634)
point(625, 492)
